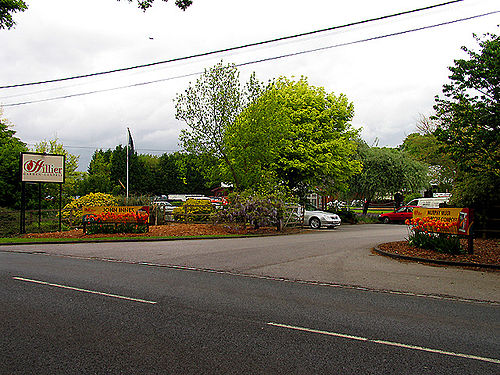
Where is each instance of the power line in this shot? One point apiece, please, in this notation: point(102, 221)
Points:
point(102, 148)
point(260, 60)
point(233, 48)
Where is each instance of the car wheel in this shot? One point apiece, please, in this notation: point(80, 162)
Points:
point(315, 223)
point(387, 220)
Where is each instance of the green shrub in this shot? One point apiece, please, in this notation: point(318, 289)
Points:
point(347, 216)
point(194, 210)
point(440, 242)
point(367, 219)
point(252, 208)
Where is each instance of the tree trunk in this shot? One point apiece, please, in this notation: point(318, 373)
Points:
point(366, 205)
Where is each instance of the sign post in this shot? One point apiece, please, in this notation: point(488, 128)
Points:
point(40, 168)
point(462, 219)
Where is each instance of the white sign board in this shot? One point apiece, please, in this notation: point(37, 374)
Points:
point(42, 167)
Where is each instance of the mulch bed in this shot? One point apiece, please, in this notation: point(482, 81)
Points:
point(169, 230)
point(486, 251)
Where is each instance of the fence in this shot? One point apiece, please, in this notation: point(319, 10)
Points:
point(36, 221)
point(293, 216)
point(48, 220)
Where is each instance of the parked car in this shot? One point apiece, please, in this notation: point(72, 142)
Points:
point(316, 218)
point(164, 204)
point(400, 215)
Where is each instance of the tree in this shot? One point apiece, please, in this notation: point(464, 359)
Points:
point(98, 178)
point(424, 147)
point(10, 148)
point(209, 107)
point(386, 171)
point(182, 173)
point(118, 170)
point(145, 4)
point(71, 175)
point(468, 121)
point(295, 134)
point(7, 9)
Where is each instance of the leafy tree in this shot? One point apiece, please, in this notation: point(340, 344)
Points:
point(468, 122)
point(386, 171)
point(10, 148)
point(183, 173)
point(118, 170)
point(149, 183)
point(71, 175)
point(426, 148)
point(98, 177)
point(468, 115)
point(7, 9)
point(209, 107)
point(170, 180)
point(296, 134)
point(190, 170)
point(252, 142)
point(145, 4)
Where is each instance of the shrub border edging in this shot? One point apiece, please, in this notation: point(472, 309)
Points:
point(436, 261)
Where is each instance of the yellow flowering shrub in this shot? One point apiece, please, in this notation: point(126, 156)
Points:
point(72, 212)
point(194, 210)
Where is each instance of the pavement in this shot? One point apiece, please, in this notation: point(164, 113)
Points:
point(340, 257)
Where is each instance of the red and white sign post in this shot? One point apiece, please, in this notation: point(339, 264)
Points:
point(40, 168)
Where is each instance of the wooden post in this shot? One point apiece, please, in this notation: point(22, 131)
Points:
point(470, 237)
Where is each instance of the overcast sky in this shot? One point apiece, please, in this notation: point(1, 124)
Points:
point(391, 81)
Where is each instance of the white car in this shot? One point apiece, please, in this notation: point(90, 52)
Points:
point(316, 218)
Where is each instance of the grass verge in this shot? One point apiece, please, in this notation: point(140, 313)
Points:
point(17, 240)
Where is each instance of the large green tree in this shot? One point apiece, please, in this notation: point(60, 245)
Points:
point(296, 134)
point(71, 175)
point(148, 174)
point(209, 107)
point(98, 178)
point(7, 9)
point(386, 171)
point(424, 147)
point(10, 148)
point(468, 117)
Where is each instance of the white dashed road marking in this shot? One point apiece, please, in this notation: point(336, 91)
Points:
point(383, 342)
point(83, 290)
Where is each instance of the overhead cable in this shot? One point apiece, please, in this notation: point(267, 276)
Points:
point(261, 60)
point(232, 48)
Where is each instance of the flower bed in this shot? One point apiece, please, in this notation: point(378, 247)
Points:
point(109, 222)
point(431, 234)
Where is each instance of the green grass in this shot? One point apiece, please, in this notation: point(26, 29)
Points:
point(373, 210)
point(21, 240)
point(367, 220)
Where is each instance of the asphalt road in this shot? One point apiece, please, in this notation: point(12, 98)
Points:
point(60, 315)
point(339, 256)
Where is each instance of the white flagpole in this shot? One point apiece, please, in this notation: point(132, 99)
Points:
point(128, 141)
